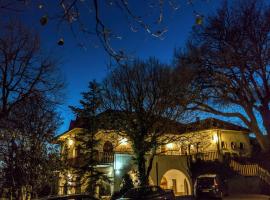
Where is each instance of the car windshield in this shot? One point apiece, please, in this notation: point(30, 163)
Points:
point(205, 181)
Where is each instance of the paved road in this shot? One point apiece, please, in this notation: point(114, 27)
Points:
point(235, 197)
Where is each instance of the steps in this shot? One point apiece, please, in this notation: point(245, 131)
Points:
point(250, 170)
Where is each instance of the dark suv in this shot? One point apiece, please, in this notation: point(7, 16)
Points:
point(209, 186)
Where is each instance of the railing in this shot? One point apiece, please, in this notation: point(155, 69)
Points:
point(105, 157)
point(206, 156)
point(251, 170)
point(212, 155)
point(100, 157)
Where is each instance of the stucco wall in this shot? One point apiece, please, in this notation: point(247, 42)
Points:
point(161, 165)
point(229, 136)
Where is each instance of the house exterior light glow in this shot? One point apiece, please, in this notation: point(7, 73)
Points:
point(170, 146)
point(117, 171)
point(215, 138)
point(70, 142)
point(211, 138)
point(123, 141)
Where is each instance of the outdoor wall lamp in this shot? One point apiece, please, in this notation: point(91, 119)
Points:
point(215, 138)
point(123, 141)
point(70, 142)
point(169, 145)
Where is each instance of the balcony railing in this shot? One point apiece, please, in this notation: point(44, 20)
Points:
point(105, 157)
point(100, 157)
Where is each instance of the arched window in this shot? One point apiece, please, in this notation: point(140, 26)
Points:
point(108, 147)
point(233, 146)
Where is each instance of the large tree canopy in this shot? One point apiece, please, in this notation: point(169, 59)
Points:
point(146, 95)
point(231, 56)
point(29, 92)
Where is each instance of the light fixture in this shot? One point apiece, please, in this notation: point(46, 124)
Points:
point(123, 141)
point(117, 171)
point(215, 138)
point(169, 145)
point(70, 142)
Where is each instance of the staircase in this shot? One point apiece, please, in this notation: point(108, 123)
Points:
point(250, 170)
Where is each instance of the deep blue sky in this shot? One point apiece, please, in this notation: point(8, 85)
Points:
point(80, 65)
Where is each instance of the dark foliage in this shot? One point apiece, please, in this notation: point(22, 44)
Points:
point(86, 140)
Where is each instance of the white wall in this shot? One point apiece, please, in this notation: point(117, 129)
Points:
point(180, 178)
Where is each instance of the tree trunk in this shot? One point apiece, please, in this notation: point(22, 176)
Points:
point(253, 125)
point(143, 178)
point(265, 112)
point(150, 164)
point(264, 144)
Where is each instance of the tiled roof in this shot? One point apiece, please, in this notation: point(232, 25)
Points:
point(211, 123)
point(179, 128)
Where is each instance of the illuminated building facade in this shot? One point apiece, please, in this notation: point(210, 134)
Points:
point(208, 139)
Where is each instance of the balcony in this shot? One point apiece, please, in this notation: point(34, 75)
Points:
point(100, 157)
point(105, 157)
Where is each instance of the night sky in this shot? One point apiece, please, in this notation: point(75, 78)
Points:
point(80, 64)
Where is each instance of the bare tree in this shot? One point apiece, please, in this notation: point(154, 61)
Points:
point(146, 99)
point(88, 19)
point(30, 88)
point(24, 69)
point(230, 55)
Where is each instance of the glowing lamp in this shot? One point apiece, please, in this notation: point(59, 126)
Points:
point(215, 138)
point(169, 146)
point(117, 171)
point(123, 141)
point(70, 142)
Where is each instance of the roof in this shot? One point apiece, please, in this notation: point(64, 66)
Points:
point(213, 123)
point(116, 117)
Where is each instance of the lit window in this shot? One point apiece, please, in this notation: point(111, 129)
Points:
point(233, 146)
point(223, 145)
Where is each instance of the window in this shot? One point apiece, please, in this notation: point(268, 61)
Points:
point(223, 145)
point(108, 147)
point(233, 146)
point(241, 146)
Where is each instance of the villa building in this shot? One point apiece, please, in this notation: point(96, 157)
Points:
point(208, 139)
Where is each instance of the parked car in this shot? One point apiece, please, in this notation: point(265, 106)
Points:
point(71, 197)
point(210, 186)
point(148, 192)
